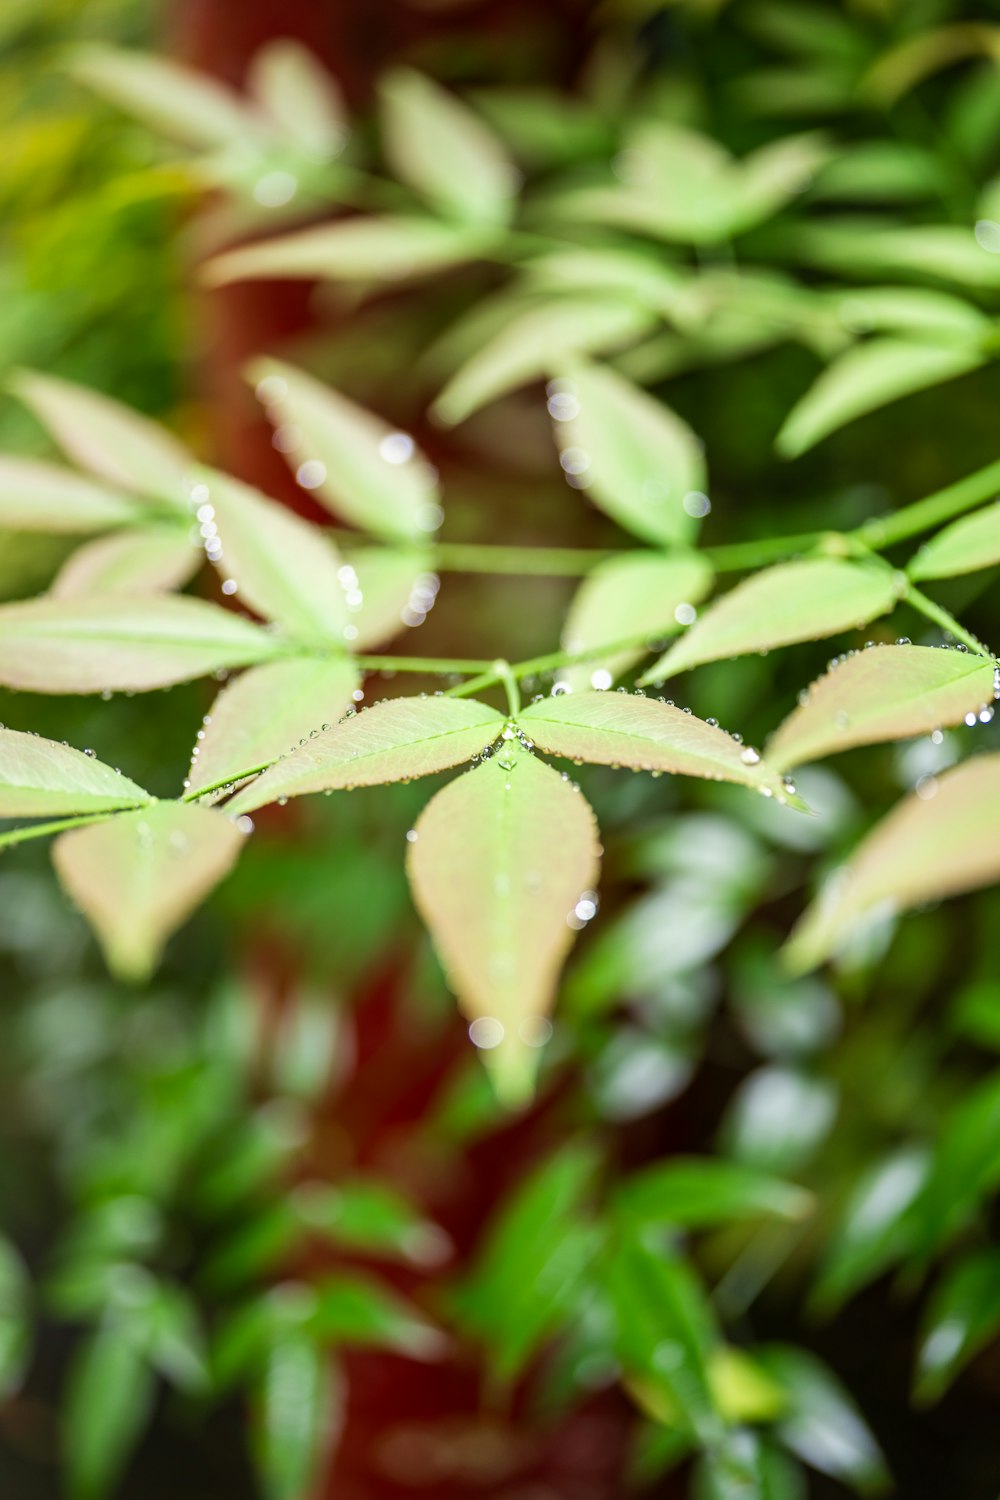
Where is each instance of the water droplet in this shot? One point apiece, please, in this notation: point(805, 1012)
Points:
point(486, 1032)
point(749, 756)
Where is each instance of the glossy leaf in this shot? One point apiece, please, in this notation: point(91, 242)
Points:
point(298, 1418)
point(882, 693)
point(111, 644)
point(150, 560)
point(299, 96)
point(962, 1317)
point(778, 1117)
point(39, 778)
point(746, 1467)
point(137, 877)
point(823, 1427)
point(500, 860)
point(359, 474)
point(698, 1192)
point(874, 1229)
point(396, 588)
point(633, 595)
point(15, 1319)
point(362, 249)
point(190, 107)
point(938, 842)
point(394, 741)
point(444, 151)
point(108, 1404)
point(110, 440)
point(796, 601)
point(37, 496)
point(632, 455)
point(868, 376)
point(266, 713)
point(965, 546)
point(626, 729)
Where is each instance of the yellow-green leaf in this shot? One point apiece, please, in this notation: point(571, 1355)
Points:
point(299, 96)
point(36, 496)
point(185, 105)
point(39, 778)
point(963, 547)
point(140, 560)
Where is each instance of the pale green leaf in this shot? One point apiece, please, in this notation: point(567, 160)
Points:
point(634, 457)
point(644, 277)
point(39, 778)
point(698, 1192)
point(866, 377)
point(140, 875)
point(108, 1403)
point(110, 440)
point(938, 842)
point(180, 103)
point(299, 96)
point(633, 595)
point(300, 1414)
point(628, 729)
point(265, 714)
point(772, 175)
point(882, 693)
point(962, 1317)
point(943, 317)
point(139, 560)
point(396, 589)
point(500, 860)
point(863, 247)
point(283, 567)
point(965, 546)
point(367, 472)
point(796, 601)
point(113, 644)
point(394, 741)
point(444, 151)
point(872, 1231)
point(36, 496)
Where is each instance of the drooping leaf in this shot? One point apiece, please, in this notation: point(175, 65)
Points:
point(146, 560)
point(137, 877)
point(868, 376)
point(911, 310)
point(882, 693)
point(300, 1415)
point(965, 546)
point(366, 471)
point(112, 644)
point(283, 567)
point(39, 778)
point(397, 588)
point(355, 1309)
point(636, 594)
point(500, 860)
point(36, 496)
point(444, 151)
point(626, 729)
point(394, 741)
point(795, 601)
point(636, 459)
point(698, 1192)
point(368, 1215)
point(185, 105)
point(874, 1227)
point(110, 440)
point(15, 1319)
point(108, 1404)
point(962, 1317)
point(938, 842)
point(266, 713)
point(299, 96)
point(823, 1428)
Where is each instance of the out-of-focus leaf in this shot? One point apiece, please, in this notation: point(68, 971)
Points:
point(15, 1319)
point(746, 1467)
point(883, 693)
point(626, 729)
point(394, 741)
point(185, 105)
point(364, 470)
point(176, 1339)
point(150, 560)
point(501, 858)
point(542, 126)
point(444, 151)
point(634, 457)
point(777, 1118)
point(868, 376)
point(965, 1168)
point(112, 441)
point(138, 876)
point(824, 1428)
point(795, 601)
point(108, 1404)
point(369, 1215)
point(945, 318)
point(879, 172)
point(396, 588)
point(111, 643)
point(635, 594)
point(267, 713)
point(907, 63)
point(358, 1310)
point(938, 842)
point(37, 496)
point(389, 249)
point(697, 1192)
point(39, 778)
point(298, 95)
point(963, 547)
point(300, 1414)
point(863, 247)
point(962, 1317)
point(874, 1227)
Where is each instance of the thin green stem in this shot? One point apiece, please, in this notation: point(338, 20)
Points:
point(947, 621)
point(43, 830)
point(925, 514)
point(431, 666)
point(536, 665)
point(505, 674)
point(196, 793)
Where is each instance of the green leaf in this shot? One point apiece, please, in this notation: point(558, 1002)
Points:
point(185, 105)
point(938, 842)
point(176, 1340)
point(371, 1216)
point(500, 860)
point(147, 560)
point(745, 1467)
point(137, 877)
point(634, 457)
point(699, 1192)
point(795, 601)
point(859, 246)
point(896, 309)
point(641, 276)
point(866, 377)
point(627, 729)
point(394, 741)
point(366, 471)
point(396, 589)
point(298, 95)
point(965, 546)
point(636, 594)
point(777, 1117)
point(39, 778)
point(267, 713)
point(283, 567)
point(110, 643)
point(36, 496)
point(824, 1428)
point(882, 693)
point(15, 1319)
point(962, 1317)
point(108, 439)
point(965, 1169)
point(108, 1404)
point(874, 1229)
point(444, 151)
point(357, 1310)
point(363, 249)
point(299, 1417)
